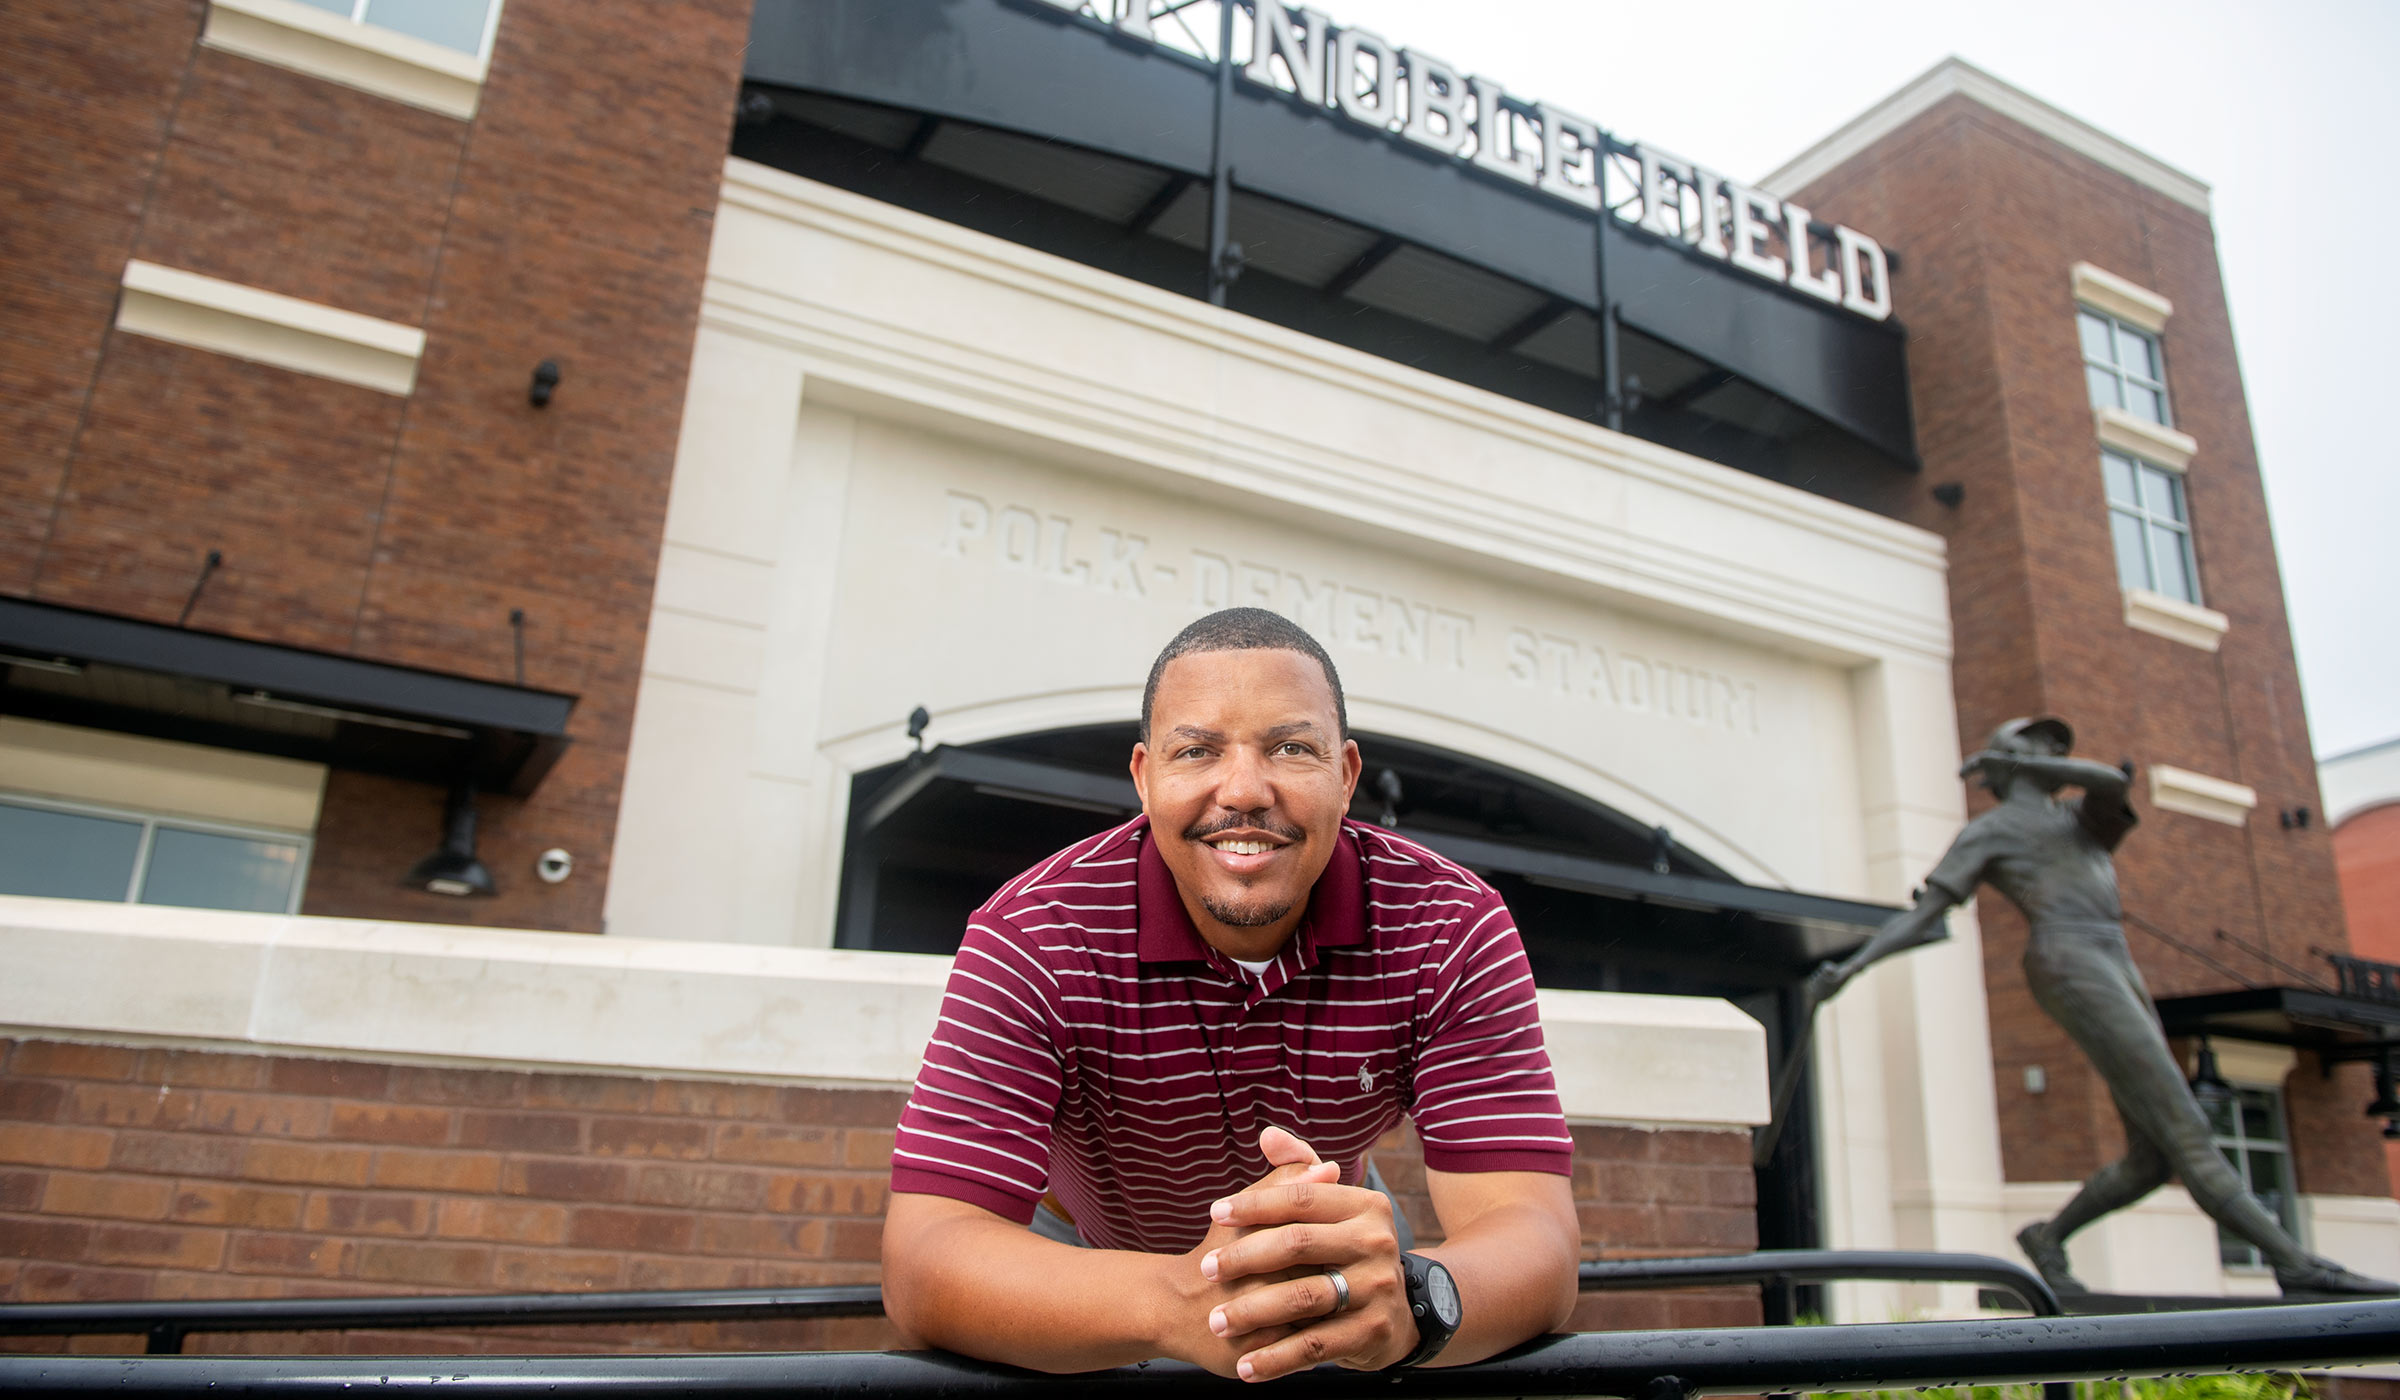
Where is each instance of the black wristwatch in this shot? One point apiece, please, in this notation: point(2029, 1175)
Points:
point(1433, 1302)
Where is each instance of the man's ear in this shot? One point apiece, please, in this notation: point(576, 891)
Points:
point(1139, 766)
point(1353, 764)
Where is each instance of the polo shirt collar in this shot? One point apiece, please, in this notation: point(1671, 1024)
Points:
point(1336, 917)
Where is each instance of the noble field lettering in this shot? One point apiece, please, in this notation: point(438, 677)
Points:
point(1357, 76)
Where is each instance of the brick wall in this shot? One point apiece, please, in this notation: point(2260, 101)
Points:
point(1989, 218)
point(2367, 848)
point(145, 1173)
point(568, 220)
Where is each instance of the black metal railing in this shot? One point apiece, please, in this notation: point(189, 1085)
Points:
point(1641, 1365)
point(166, 1324)
point(2365, 978)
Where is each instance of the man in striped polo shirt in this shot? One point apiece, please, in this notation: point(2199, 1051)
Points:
point(1190, 1029)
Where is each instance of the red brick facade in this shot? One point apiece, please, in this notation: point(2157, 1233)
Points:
point(1991, 217)
point(2366, 849)
point(568, 220)
point(132, 1173)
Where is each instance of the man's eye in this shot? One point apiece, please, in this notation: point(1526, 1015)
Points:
point(1294, 748)
point(1193, 751)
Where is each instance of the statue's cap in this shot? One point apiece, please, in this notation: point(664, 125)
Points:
point(2049, 726)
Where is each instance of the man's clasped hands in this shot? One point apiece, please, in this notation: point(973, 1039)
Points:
point(1262, 1300)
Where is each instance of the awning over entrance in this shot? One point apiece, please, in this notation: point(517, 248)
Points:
point(1672, 929)
point(76, 667)
point(2360, 1020)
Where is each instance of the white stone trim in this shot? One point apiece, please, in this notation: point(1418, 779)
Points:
point(76, 764)
point(209, 313)
point(2359, 779)
point(2249, 1064)
point(2139, 437)
point(2120, 297)
point(1956, 76)
point(2199, 795)
point(308, 40)
point(928, 367)
point(352, 988)
point(2175, 620)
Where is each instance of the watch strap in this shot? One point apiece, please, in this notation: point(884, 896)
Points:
point(1432, 1333)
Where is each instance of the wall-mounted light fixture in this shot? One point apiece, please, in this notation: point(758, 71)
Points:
point(2208, 1086)
point(454, 869)
point(545, 383)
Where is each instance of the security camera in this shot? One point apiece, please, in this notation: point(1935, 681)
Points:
point(554, 865)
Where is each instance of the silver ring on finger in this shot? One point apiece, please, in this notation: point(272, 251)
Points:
point(1341, 1291)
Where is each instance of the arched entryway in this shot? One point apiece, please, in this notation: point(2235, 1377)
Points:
point(1603, 902)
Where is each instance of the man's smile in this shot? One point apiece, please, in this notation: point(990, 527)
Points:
point(1245, 850)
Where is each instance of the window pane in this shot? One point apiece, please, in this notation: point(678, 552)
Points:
point(2094, 332)
point(203, 870)
point(2137, 354)
point(2118, 473)
point(2162, 493)
point(2260, 1121)
point(339, 7)
point(2133, 568)
point(2146, 404)
point(2103, 384)
point(66, 855)
point(453, 24)
point(2170, 555)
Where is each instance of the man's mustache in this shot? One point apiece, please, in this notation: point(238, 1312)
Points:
point(1237, 821)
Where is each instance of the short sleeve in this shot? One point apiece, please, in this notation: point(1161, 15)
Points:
point(977, 1124)
point(1484, 1097)
point(1961, 868)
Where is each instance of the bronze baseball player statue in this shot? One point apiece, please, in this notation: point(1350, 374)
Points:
point(2051, 857)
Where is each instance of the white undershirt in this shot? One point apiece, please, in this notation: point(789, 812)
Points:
point(1257, 969)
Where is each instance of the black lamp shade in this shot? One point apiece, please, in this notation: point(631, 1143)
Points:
point(454, 869)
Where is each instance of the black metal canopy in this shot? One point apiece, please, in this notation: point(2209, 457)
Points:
point(2335, 1025)
point(104, 672)
point(924, 814)
point(1035, 124)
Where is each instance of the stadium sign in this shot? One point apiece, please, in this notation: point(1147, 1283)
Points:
point(1302, 54)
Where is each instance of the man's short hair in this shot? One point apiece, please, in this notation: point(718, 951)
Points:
point(1244, 629)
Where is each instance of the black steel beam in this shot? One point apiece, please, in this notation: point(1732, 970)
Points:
point(1169, 190)
point(1376, 255)
point(1532, 324)
point(1822, 1266)
point(486, 1310)
point(1730, 1361)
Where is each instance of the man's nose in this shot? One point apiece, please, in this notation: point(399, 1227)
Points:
point(1243, 782)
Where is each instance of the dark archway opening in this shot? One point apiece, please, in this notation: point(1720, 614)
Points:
point(1603, 902)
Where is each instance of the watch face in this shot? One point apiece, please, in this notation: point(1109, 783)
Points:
point(1443, 1293)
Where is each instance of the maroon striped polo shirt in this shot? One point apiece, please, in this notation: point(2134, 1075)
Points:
point(1091, 1043)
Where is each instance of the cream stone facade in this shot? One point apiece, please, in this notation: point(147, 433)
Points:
point(924, 467)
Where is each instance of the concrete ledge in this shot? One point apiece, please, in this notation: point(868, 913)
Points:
point(2129, 302)
point(308, 40)
point(209, 313)
point(2144, 439)
point(2199, 795)
point(510, 998)
point(2177, 621)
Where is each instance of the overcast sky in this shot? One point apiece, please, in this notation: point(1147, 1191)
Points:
point(2289, 111)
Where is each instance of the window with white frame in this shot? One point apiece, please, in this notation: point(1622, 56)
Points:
point(2122, 366)
point(2152, 528)
point(2249, 1130)
point(66, 850)
point(464, 25)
